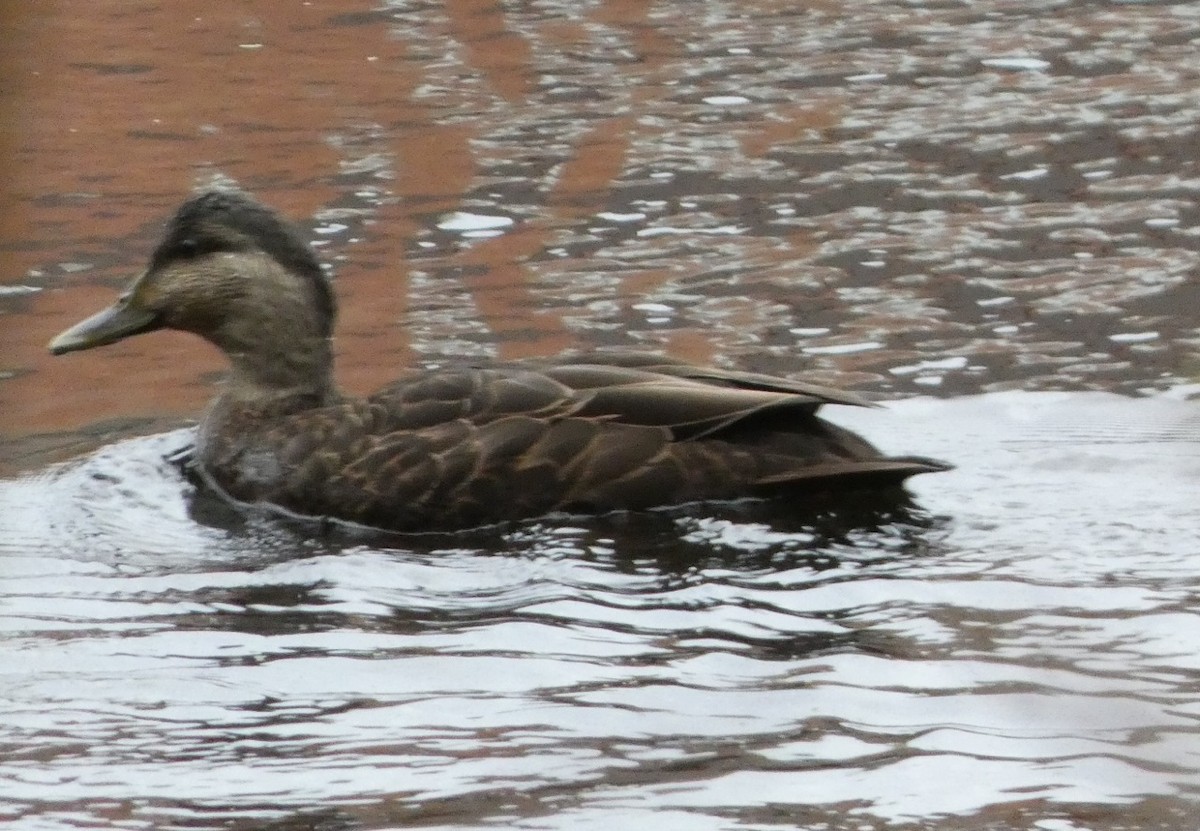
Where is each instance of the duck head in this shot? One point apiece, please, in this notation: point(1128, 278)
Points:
point(238, 275)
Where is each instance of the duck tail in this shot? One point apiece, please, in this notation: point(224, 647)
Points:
point(884, 471)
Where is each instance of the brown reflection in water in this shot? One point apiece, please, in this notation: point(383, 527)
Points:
point(493, 271)
point(789, 125)
point(935, 200)
point(15, 17)
point(495, 267)
point(504, 56)
point(585, 180)
point(130, 106)
point(649, 42)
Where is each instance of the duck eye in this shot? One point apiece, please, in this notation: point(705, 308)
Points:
point(188, 248)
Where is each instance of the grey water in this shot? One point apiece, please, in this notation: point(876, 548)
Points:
point(1017, 648)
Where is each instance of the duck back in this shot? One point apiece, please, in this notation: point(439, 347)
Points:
point(455, 448)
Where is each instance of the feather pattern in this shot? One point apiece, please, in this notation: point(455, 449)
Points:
point(459, 447)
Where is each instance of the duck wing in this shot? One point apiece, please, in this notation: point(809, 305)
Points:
point(693, 403)
point(462, 474)
point(454, 449)
point(578, 368)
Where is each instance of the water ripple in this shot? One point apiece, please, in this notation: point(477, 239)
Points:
point(720, 662)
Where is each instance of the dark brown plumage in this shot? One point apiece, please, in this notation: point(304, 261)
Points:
point(455, 448)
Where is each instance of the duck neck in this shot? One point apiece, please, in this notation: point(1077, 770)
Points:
point(287, 378)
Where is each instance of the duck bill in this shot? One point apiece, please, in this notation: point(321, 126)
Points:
point(121, 320)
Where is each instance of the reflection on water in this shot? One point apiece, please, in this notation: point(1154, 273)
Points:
point(923, 198)
point(930, 198)
point(1019, 651)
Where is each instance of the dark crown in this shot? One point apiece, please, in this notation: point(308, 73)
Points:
point(214, 221)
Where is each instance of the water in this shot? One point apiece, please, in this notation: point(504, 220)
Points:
point(982, 213)
point(1018, 652)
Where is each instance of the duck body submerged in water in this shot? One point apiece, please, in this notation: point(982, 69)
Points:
point(455, 448)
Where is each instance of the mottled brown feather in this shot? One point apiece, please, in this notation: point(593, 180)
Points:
point(458, 447)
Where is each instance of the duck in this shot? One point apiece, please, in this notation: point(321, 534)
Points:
point(458, 447)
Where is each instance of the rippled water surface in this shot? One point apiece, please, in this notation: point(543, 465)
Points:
point(982, 212)
point(1020, 652)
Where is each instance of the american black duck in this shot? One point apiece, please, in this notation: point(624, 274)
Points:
point(455, 448)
